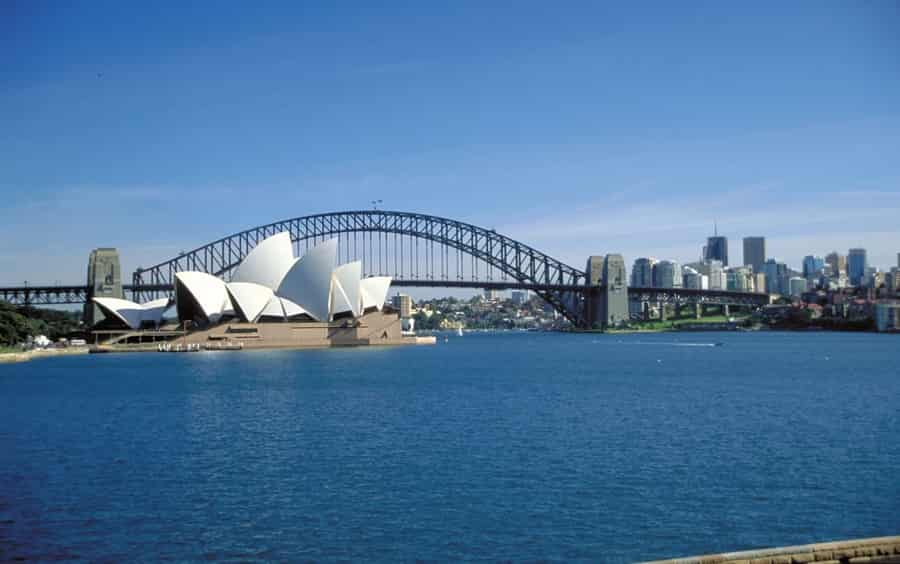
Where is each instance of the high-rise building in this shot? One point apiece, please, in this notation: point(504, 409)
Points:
point(856, 266)
point(403, 304)
point(739, 279)
point(898, 260)
point(796, 286)
point(594, 270)
point(755, 252)
point(812, 266)
point(667, 274)
point(714, 273)
point(642, 272)
point(693, 280)
point(777, 277)
point(837, 262)
point(519, 297)
point(716, 249)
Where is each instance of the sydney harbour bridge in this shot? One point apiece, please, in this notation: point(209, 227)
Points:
point(417, 250)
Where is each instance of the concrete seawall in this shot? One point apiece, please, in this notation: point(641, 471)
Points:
point(869, 551)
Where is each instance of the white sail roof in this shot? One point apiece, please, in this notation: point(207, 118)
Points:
point(374, 291)
point(126, 311)
point(208, 293)
point(273, 309)
point(154, 310)
point(291, 309)
point(267, 263)
point(308, 282)
point(249, 299)
point(345, 295)
point(133, 314)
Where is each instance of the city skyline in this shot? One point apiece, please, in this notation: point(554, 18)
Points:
point(555, 132)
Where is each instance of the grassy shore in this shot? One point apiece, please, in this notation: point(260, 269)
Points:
point(657, 326)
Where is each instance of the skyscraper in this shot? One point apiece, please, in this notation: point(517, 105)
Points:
point(755, 253)
point(856, 266)
point(667, 274)
point(837, 262)
point(812, 266)
point(642, 272)
point(716, 248)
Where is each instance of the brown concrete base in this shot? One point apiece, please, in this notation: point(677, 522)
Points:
point(880, 550)
point(376, 328)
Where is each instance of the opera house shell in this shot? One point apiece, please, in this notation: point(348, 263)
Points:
point(269, 286)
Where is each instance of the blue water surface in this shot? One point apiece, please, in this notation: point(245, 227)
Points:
point(484, 447)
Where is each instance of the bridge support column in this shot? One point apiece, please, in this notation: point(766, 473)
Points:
point(607, 306)
point(646, 311)
point(662, 311)
point(104, 279)
point(726, 311)
point(698, 311)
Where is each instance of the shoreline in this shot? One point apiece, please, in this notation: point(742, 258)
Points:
point(25, 356)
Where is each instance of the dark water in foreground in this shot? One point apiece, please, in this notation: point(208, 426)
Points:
point(505, 446)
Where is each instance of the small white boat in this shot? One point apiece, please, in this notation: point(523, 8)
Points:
point(459, 332)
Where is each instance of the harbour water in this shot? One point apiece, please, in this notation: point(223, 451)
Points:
point(487, 446)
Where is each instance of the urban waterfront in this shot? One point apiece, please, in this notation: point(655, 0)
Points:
point(490, 446)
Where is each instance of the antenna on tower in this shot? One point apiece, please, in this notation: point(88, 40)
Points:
point(715, 228)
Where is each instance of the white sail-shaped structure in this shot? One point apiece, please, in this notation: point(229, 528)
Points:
point(308, 282)
point(200, 297)
point(125, 311)
point(373, 292)
point(292, 310)
point(132, 314)
point(267, 263)
point(154, 311)
point(345, 294)
point(249, 299)
point(268, 285)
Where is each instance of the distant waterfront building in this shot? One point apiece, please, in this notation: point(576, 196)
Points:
point(887, 316)
point(716, 249)
point(838, 263)
point(402, 304)
point(642, 272)
point(714, 272)
point(104, 278)
point(813, 266)
point(777, 277)
point(856, 266)
point(594, 269)
point(759, 281)
point(519, 297)
point(492, 295)
point(667, 274)
point(693, 280)
point(797, 285)
point(755, 252)
point(739, 279)
point(898, 260)
point(892, 279)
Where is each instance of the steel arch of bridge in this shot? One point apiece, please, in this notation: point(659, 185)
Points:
point(510, 257)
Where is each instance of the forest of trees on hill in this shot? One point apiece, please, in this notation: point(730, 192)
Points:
point(17, 323)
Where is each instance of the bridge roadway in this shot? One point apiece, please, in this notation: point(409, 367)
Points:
point(76, 294)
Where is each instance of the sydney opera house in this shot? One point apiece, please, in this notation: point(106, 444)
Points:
point(272, 300)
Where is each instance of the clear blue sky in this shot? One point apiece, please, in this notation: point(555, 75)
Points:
point(580, 128)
